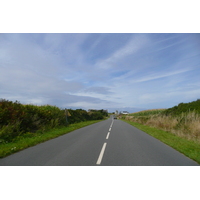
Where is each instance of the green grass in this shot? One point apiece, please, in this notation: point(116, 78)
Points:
point(189, 148)
point(31, 139)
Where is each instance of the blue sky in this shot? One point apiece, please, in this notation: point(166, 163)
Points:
point(100, 71)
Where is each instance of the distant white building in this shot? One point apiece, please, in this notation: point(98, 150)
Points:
point(125, 112)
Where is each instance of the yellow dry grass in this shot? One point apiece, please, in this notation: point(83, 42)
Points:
point(186, 125)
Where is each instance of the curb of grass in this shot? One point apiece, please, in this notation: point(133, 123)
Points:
point(189, 148)
point(26, 141)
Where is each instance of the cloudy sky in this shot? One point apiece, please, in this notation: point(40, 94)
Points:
point(100, 71)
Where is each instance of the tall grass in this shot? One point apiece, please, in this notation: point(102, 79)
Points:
point(186, 125)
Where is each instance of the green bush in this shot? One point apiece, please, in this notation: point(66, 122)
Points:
point(10, 131)
point(77, 115)
point(184, 108)
point(17, 119)
point(80, 115)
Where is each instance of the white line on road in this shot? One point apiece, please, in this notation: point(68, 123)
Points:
point(109, 129)
point(101, 154)
point(108, 135)
point(112, 123)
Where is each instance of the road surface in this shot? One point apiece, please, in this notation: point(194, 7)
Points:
point(106, 143)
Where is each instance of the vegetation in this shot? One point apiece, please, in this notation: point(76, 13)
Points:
point(80, 115)
point(31, 139)
point(18, 120)
point(147, 112)
point(182, 120)
point(184, 108)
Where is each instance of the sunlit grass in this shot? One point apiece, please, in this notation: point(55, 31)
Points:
point(186, 125)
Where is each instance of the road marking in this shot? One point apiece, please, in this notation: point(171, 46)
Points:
point(109, 129)
point(108, 135)
point(101, 154)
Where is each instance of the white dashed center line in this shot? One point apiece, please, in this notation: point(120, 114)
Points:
point(104, 146)
point(108, 135)
point(101, 154)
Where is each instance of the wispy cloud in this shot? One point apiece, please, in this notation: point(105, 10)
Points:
point(161, 75)
point(136, 43)
point(99, 90)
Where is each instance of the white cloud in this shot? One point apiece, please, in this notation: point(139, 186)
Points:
point(135, 44)
point(161, 75)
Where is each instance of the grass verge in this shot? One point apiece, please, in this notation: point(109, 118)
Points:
point(31, 139)
point(189, 148)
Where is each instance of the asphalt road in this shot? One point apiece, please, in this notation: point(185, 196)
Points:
point(107, 143)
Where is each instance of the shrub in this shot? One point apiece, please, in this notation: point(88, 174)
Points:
point(17, 119)
point(10, 131)
point(80, 115)
point(184, 108)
